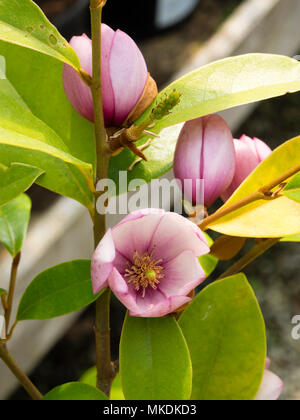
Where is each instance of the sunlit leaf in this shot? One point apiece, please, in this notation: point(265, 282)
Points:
point(265, 218)
point(154, 360)
point(225, 333)
point(228, 83)
point(58, 291)
point(14, 219)
point(23, 23)
point(75, 391)
point(15, 180)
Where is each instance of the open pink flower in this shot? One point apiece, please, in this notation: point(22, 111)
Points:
point(149, 260)
point(271, 386)
point(124, 76)
point(249, 154)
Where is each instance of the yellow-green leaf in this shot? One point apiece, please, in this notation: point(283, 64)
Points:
point(265, 218)
point(228, 83)
point(23, 23)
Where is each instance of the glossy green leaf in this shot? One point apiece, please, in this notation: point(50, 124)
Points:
point(228, 83)
point(90, 378)
point(15, 180)
point(116, 389)
point(26, 139)
point(58, 291)
point(23, 23)
point(225, 333)
point(3, 292)
point(160, 156)
point(295, 238)
point(154, 360)
point(38, 80)
point(292, 190)
point(14, 219)
point(265, 218)
point(75, 391)
point(208, 262)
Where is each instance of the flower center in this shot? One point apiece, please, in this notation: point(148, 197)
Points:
point(145, 271)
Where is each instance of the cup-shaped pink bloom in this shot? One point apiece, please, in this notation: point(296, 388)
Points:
point(271, 386)
point(205, 152)
point(249, 154)
point(124, 76)
point(149, 260)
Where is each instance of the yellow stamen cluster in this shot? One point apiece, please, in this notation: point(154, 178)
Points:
point(145, 271)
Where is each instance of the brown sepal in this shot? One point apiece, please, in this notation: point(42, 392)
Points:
point(148, 96)
point(227, 247)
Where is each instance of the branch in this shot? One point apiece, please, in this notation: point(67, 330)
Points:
point(264, 193)
point(20, 375)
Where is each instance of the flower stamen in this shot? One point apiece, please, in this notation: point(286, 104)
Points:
point(144, 272)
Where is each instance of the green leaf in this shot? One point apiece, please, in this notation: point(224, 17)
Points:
point(160, 155)
point(154, 360)
point(75, 391)
point(265, 218)
point(295, 238)
point(46, 98)
point(116, 389)
point(228, 83)
point(14, 219)
point(58, 291)
point(3, 292)
point(24, 138)
point(225, 332)
point(15, 180)
point(90, 378)
point(292, 190)
point(208, 262)
point(24, 24)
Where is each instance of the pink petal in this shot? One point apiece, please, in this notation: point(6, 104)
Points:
point(163, 308)
point(102, 262)
point(135, 235)
point(174, 235)
point(107, 37)
point(128, 73)
point(271, 387)
point(138, 214)
point(155, 304)
point(78, 93)
point(189, 149)
point(122, 291)
point(181, 275)
point(218, 158)
point(246, 162)
point(262, 149)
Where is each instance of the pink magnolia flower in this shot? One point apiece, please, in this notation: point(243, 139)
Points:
point(249, 154)
point(124, 76)
point(271, 386)
point(149, 260)
point(205, 151)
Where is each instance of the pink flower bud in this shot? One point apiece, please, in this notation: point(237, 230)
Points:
point(124, 76)
point(150, 262)
point(249, 154)
point(205, 151)
point(271, 386)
